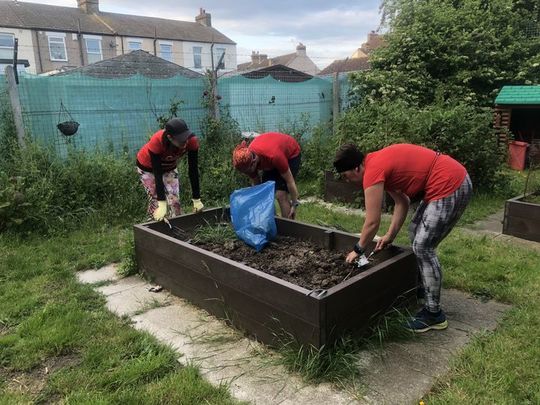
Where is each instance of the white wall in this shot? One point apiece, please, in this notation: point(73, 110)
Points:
point(26, 46)
point(183, 52)
point(230, 56)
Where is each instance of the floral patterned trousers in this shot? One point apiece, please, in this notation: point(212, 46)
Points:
point(172, 191)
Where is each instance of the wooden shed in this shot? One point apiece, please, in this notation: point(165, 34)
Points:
point(517, 111)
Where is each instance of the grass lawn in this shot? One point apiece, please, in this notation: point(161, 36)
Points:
point(59, 343)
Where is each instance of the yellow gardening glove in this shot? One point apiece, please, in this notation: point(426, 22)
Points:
point(197, 205)
point(160, 211)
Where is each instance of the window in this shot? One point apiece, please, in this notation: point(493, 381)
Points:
point(197, 51)
point(134, 44)
point(165, 51)
point(57, 46)
point(93, 48)
point(7, 42)
point(217, 56)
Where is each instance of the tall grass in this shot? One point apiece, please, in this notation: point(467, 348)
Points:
point(41, 191)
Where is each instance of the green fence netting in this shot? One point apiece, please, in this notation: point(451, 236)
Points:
point(112, 113)
point(267, 104)
point(121, 114)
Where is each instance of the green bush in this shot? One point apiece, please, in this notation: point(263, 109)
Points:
point(218, 176)
point(44, 192)
point(460, 130)
point(317, 153)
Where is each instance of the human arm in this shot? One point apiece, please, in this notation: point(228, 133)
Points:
point(293, 191)
point(193, 173)
point(373, 196)
point(401, 208)
point(157, 170)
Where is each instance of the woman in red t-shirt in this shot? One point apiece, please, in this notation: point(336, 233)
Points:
point(410, 172)
point(156, 165)
point(278, 156)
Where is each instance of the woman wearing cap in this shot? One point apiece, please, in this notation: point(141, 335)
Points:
point(278, 156)
point(410, 172)
point(156, 165)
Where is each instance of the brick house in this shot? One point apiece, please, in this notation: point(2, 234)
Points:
point(58, 38)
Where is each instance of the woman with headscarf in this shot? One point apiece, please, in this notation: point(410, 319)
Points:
point(278, 156)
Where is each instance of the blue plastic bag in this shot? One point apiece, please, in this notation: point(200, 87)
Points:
point(253, 214)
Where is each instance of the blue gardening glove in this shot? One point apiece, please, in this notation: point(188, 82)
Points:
point(197, 205)
point(160, 211)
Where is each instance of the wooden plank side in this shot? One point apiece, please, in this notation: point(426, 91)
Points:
point(522, 209)
point(392, 256)
point(365, 316)
point(352, 307)
point(244, 311)
point(524, 228)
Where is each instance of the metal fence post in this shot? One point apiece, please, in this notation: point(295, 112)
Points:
point(15, 105)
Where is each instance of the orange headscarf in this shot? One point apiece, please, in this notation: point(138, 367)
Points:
point(242, 157)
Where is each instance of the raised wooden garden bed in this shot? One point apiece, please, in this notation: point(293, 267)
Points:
point(263, 305)
point(339, 190)
point(522, 218)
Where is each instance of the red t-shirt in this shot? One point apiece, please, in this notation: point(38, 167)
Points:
point(404, 168)
point(274, 150)
point(169, 154)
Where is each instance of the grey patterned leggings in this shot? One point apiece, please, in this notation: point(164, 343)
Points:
point(429, 226)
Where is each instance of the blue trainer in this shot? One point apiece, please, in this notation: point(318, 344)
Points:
point(425, 320)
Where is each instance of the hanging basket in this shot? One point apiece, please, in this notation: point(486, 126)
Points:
point(68, 128)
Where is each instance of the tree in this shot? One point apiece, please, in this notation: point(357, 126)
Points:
point(453, 49)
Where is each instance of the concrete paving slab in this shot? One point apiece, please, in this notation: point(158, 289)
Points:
point(121, 285)
point(491, 224)
point(398, 373)
point(226, 357)
point(492, 227)
point(107, 273)
point(135, 299)
point(401, 373)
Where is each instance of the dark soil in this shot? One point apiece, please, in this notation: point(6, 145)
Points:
point(299, 262)
point(33, 382)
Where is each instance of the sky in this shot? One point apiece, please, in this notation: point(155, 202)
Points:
point(329, 29)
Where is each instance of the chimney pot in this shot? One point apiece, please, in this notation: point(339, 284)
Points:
point(204, 18)
point(88, 6)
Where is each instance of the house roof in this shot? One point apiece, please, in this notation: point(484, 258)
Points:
point(45, 17)
point(55, 18)
point(519, 95)
point(136, 62)
point(346, 65)
point(278, 72)
point(278, 60)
